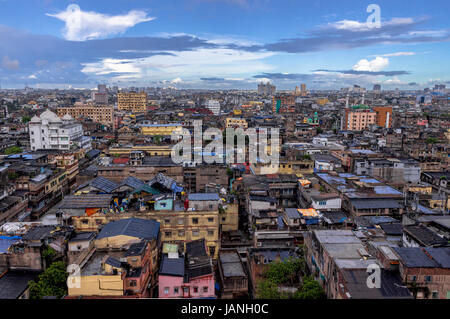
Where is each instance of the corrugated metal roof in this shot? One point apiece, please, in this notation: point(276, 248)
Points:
point(133, 227)
point(86, 201)
point(203, 196)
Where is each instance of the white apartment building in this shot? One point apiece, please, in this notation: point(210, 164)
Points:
point(214, 106)
point(52, 132)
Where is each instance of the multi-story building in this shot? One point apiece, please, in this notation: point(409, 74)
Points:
point(231, 122)
point(282, 101)
point(132, 102)
point(266, 89)
point(161, 129)
point(52, 132)
point(213, 106)
point(98, 114)
point(358, 118)
point(384, 116)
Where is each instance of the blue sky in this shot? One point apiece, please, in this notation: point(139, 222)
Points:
point(223, 43)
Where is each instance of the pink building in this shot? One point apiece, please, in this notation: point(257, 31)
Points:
point(191, 281)
point(187, 277)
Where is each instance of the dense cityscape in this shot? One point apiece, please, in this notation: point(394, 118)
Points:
point(277, 186)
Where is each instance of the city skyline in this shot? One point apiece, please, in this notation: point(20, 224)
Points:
point(222, 44)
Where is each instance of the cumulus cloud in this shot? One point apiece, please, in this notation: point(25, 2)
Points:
point(375, 65)
point(86, 25)
point(176, 81)
point(10, 64)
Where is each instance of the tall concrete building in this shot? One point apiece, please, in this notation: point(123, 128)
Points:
point(52, 132)
point(358, 118)
point(377, 87)
point(266, 89)
point(132, 102)
point(213, 106)
point(99, 114)
point(303, 90)
point(384, 116)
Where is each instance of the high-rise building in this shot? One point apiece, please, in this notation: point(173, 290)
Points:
point(100, 98)
point(358, 118)
point(384, 116)
point(377, 87)
point(266, 89)
point(132, 102)
point(99, 114)
point(102, 88)
point(282, 101)
point(303, 89)
point(52, 132)
point(213, 106)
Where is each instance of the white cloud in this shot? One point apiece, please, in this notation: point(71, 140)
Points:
point(176, 81)
point(84, 25)
point(398, 54)
point(375, 65)
point(356, 26)
point(204, 62)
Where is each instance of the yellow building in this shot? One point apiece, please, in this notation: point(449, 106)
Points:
point(161, 129)
point(229, 217)
point(132, 102)
point(232, 122)
point(322, 101)
point(153, 150)
point(176, 227)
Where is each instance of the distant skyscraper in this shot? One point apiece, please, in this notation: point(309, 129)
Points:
point(266, 89)
point(102, 88)
point(377, 87)
point(303, 89)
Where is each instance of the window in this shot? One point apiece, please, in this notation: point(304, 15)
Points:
point(196, 290)
point(210, 219)
point(412, 278)
point(186, 290)
point(176, 291)
point(180, 222)
point(427, 278)
point(195, 233)
point(195, 221)
point(167, 221)
point(85, 221)
point(168, 234)
point(133, 283)
point(181, 233)
point(166, 290)
point(212, 250)
point(205, 289)
point(210, 232)
point(435, 294)
point(322, 203)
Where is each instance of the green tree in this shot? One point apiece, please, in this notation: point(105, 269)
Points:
point(267, 289)
point(319, 130)
point(52, 282)
point(432, 140)
point(26, 119)
point(306, 157)
point(49, 254)
point(280, 272)
point(310, 290)
point(13, 150)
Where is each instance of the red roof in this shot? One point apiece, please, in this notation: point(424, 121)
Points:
point(121, 160)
